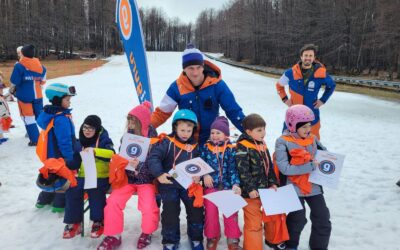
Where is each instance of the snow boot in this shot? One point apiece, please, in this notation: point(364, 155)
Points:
point(170, 246)
point(57, 209)
point(197, 245)
point(144, 241)
point(398, 183)
point(32, 144)
point(97, 229)
point(233, 244)
point(3, 140)
point(110, 243)
point(212, 243)
point(280, 246)
point(71, 230)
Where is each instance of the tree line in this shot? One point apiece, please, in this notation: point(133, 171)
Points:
point(354, 36)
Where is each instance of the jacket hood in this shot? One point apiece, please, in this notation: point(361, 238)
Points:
point(32, 64)
point(49, 112)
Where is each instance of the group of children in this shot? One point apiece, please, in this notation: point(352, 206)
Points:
point(243, 168)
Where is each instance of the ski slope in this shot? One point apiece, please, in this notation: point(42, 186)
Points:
point(365, 210)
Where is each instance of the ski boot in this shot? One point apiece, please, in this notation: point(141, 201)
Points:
point(233, 244)
point(97, 229)
point(71, 230)
point(110, 243)
point(170, 246)
point(197, 245)
point(212, 243)
point(144, 241)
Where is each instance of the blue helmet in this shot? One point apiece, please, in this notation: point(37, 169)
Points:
point(53, 184)
point(186, 115)
point(60, 90)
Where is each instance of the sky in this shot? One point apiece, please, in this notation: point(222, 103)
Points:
point(186, 10)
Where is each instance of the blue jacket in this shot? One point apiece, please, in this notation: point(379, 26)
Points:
point(61, 138)
point(205, 101)
point(163, 154)
point(230, 175)
point(28, 76)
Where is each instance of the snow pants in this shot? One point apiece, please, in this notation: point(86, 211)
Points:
point(29, 113)
point(56, 199)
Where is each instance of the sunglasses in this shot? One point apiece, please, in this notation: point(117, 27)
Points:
point(88, 128)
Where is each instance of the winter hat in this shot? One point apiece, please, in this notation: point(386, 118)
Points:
point(143, 113)
point(192, 56)
point(222, 124)
point(95, 122)
point(28, 51)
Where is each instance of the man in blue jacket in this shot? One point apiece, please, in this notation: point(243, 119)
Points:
point(201, 89)
point(28, 76)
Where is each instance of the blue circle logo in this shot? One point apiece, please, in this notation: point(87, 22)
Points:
point(327, 167)
point(192, 169)
point(133, 150)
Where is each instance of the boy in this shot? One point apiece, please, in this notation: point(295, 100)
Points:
point(255, 169)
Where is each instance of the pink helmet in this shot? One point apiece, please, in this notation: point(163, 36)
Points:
point(298, 113)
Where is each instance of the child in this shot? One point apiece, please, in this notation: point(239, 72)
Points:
point(91, 135)
point(5, 117)
point(256, 171)
point(61, 136)
point(298, 140)
point(140, 181)
point(179, 146)
point(219, 153)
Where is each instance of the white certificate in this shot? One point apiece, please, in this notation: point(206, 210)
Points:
point(134, 146)
point(89, 163)
point(284, 200)
point(184, 171)
point(227, 201)
point(328, 172)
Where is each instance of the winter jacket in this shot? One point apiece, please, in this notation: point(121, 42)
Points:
point(28, 76)
point(283, 146)
point(162, 155)
point(250, 165)
point(143, 176)
point(103, 149)
point(61, 138)
point(204, 101)
point(226, 157)
point(306, 93)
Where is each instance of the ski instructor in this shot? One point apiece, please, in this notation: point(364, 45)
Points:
point(201, 89)
point(305, 79)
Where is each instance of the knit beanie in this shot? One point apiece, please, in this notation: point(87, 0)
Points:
point(28, 51)
point(192, 56)
point(95, 122)
point(143, 113)
point(222, 124)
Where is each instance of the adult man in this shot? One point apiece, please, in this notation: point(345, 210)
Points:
point(201, 89)
point(28, 76)
point(305, 80)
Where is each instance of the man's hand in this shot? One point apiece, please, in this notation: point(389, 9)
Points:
point(318, 103)
point(208, 181)
point(163, 179)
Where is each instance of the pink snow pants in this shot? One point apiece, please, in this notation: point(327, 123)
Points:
point(212, 228)
point(114, 210)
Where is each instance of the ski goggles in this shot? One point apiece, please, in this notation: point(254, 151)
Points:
point(71, 90)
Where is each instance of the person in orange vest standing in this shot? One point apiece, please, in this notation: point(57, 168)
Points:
point(305, 79)
point(28, 77)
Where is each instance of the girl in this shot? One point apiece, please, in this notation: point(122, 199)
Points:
point(219, 153)
point(140, 181)
point(91, 135)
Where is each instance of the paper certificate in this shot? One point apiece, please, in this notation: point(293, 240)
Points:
point(134, 146)
point(328, 172)
point(284, 200)
point(184, 171)
point(89, 163)
point(227, 201)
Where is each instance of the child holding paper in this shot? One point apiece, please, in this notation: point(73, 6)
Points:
point(219, 153)
point(175, 148)
point(91, 135)
point(294, 152)
point(255, 171)
point(140, 181)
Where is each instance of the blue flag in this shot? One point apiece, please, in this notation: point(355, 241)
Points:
point(128, 22)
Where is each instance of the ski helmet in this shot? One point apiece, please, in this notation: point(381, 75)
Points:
point(296, 114)
point(53, 184)
point(186, 115)
point(60, 90)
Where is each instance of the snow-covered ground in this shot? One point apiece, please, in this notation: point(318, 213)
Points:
point(365, 210)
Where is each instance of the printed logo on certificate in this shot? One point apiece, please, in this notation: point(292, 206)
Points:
point(328, 171)
point(185, 171)
point(134, 146)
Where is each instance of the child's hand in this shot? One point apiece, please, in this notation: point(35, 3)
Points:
point(163, 179)
point(274, 187)
point(196, 179)
point(208, 181)
point(253, 194)
point(134, 162)
point(316, 164)
point(236, 189)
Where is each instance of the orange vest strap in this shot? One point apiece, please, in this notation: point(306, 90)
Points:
point(182, 145)
point(248, 144)
point(302, 142)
